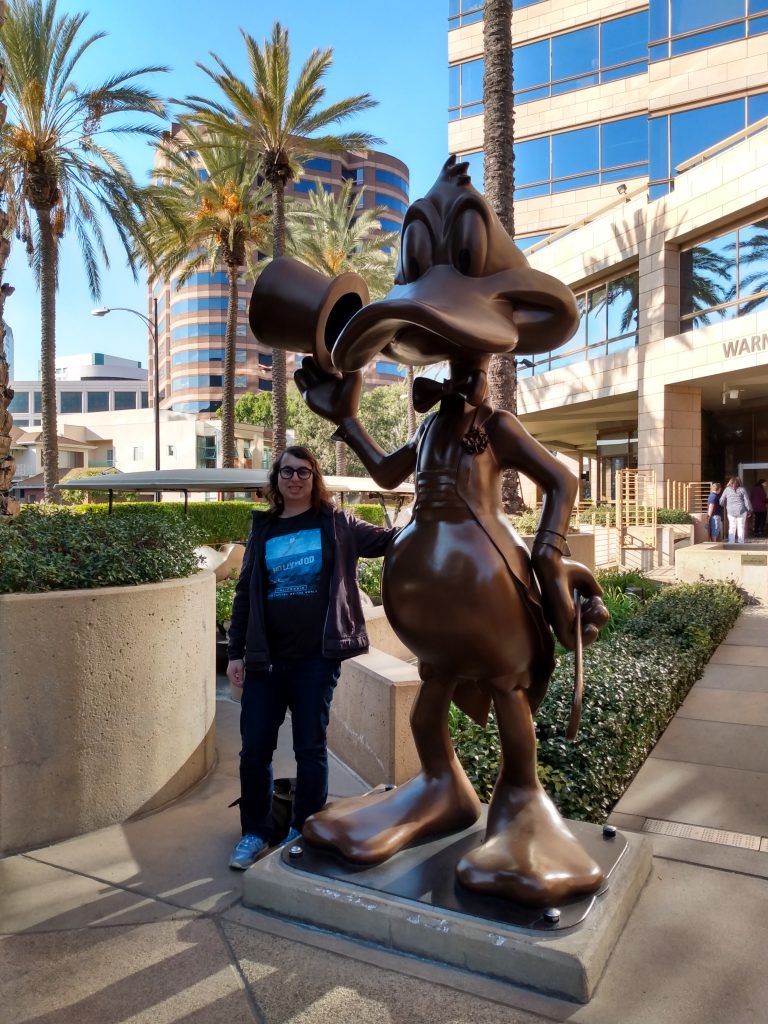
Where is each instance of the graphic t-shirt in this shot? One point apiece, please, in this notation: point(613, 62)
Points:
point(297, 564)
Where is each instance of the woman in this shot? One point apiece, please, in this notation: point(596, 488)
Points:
point(296, 616)
point(737, 506)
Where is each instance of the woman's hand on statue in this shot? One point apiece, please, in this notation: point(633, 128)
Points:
point(558, 578)
point(334, 396)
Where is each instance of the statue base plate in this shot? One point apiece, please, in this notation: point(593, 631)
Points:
point(413, 905)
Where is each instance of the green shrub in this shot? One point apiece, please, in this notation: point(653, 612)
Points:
point(370, 513)
point(605, 515)
point(215, 522)
point(672, 517)
point(225, 595)
point(369, 576)
point(634, 682)
point(53, 548)
point(526, 522)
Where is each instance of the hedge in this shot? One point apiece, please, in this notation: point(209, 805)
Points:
point(634, 681)
point(216, 522)
point(54, 548)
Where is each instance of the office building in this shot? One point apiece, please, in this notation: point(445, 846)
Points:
point(192, 315)
point(639, 180)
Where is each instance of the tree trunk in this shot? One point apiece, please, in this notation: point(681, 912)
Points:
point(409, 377)
point(48, 258)
point(340, 450)
point(7, 461)
point(279, 382)
point(498, 138)
point(228, 448)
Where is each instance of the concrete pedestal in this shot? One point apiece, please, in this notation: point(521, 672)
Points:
point(432, 920)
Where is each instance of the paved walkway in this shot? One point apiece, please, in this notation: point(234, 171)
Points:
point(142, 923)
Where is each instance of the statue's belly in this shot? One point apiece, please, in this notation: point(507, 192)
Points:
point(451, 599)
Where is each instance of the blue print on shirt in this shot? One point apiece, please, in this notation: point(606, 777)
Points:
point(294, 562)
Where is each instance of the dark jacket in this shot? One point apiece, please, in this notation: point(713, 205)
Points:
point(344, 635)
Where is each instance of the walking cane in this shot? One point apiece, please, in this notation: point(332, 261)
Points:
point(578, 675)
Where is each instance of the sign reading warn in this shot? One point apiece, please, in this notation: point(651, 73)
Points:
point(743, 346)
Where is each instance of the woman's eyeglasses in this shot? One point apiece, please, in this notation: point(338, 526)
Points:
point(286, 472)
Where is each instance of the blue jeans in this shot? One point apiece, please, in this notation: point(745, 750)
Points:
point(715, 525)
point(305, 685)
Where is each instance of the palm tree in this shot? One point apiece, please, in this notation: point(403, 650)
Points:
point(282, 125)
point(208, 209)
point(53, 163)
point(498, 137)
point(332, 235)
point(7, 461)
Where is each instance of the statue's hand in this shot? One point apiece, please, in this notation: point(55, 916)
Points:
point(558, 578)
point(334, 396)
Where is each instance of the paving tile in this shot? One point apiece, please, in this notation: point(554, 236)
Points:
point(291, 981)
point(685, 955)
point(712, 855)
point(736, 654)
point(36, 897)
point(714, 705)
point(698, 795)
point(714, 743)
point(151, 974)
point(180, 854)
point(734, 677)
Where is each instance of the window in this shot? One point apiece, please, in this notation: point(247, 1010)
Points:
point(20, 403)
point(199, 279)
point(98, 401)
point(125, 400)
point(138, 453)
point(241, 305)
point(109, 457)
point(608, 318)
point(682, 26)
point(310, 185)
point(391, 203)
point(476, 168)
point(574, 60)
point(265, 384)
point(392, 369)
point(724, 277)
point(265, 358)
point(214, 330)
point(529, 241)
point(171, 449)
point(465, 90)
point(675, 138)
point(241, 330)
point(71, 401)
point(388, 178)
point(356, 174)
point(318, 163)
point(38, 402)
point(187, 383)
point(464, 12)
point(585, 156)
point(144, 396)
point(195, 305)
point(206, 452)
point(389, 225)
point(241, 382)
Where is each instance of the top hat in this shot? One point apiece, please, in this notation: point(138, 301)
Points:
point(297, 309)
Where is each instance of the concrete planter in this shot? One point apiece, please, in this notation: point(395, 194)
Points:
point(746, 566)
point(107, 702)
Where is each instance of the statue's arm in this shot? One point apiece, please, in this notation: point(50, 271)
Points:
point(336, 397)
point(558, 575)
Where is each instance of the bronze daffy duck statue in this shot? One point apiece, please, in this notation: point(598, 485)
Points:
point(458, 585)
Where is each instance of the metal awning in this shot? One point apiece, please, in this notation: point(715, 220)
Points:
point(217, 480)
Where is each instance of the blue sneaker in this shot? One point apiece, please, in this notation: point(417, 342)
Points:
point(293, 835)
point(247, 851)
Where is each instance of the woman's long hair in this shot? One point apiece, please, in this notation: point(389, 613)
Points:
point(735, 483)
point(320, 493)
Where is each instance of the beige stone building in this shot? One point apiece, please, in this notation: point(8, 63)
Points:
point(640, 179)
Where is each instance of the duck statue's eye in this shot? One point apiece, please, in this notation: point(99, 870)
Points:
point(469, 243)
point(415, 252)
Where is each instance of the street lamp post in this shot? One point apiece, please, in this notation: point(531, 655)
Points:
point(152, 327)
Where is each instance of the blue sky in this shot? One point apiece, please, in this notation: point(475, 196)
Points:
point(396, 51)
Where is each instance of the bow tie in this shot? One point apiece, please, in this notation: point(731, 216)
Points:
point(427, 392)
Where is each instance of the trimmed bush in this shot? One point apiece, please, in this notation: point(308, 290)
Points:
point(215, 522)
point(54, 548)
point(634, 681)
point(370, 513)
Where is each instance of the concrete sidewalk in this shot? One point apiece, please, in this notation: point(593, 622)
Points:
point(142, 923)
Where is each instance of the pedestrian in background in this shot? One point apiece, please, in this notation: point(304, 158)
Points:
point(758, 499)
point(736, 503)
point(714, 516)
point(296, 615)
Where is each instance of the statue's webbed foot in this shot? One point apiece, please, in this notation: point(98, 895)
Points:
point(529, 856)
point(370, 829)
